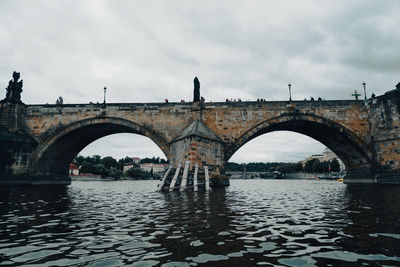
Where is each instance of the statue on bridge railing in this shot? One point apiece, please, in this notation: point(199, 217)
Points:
point(196, 96)
point(14, 89)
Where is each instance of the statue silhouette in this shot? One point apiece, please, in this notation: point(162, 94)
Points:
point(196, 96)
point(14, 89)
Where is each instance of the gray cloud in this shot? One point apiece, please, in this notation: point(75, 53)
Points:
point(124, 144)
point(147, 51)
point(278, 146)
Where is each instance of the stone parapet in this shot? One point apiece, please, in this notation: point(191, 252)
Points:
point(12, 116)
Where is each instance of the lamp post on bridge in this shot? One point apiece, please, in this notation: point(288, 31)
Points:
point(290, 92)
point(105, 89)
point(365, 92)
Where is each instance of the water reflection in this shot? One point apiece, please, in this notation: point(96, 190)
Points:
point(257, 222)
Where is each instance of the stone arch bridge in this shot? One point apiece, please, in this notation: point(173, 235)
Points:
point(43, 139)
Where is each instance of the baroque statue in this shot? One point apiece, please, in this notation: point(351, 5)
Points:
point(196, 97)
point(14, 89)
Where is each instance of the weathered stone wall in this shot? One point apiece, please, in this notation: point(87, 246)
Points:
point(202, 151)
point(342, 126)
point(12, 116)
point(385, 131)
point(364, 135)
point(166, 120)
point(15, 144)
point(231, 120)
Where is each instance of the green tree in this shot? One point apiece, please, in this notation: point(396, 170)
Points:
point(93, 159)
point(309, 166)
point(137, 173)
point(100, 169)
point(322, 167)
point(78, 160)
point(233, 166)
point(124, 162)
point(86, 167)
point(316, 166)
point(280, 168)
point(109, 162)
point(96, 159)
point(153, 160)
point(298, 167)
point(335, 166)
point(115, 173)
point(146, 160)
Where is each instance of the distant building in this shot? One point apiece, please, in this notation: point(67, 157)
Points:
point(73, 169)
point(155, 167)
point(136, 160)
point(127, 167)
point(148, 167)
point(327, 155)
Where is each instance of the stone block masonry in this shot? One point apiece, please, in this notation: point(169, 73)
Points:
point(364, 134)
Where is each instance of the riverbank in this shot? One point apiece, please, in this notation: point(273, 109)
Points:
point(293, 175)
point(91, 178)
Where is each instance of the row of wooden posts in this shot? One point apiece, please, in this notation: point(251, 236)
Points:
point(185, 178)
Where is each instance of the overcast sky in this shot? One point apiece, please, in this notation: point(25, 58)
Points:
point(146, 51)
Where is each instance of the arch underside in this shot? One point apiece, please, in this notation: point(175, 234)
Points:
point(54, 156)
point(344, 143)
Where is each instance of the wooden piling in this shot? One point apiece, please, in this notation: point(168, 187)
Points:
point(207, 177)
point(161, 185)
point(173, 182)
point(185, 174)
point(195, 182)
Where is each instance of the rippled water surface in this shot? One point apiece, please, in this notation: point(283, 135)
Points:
point(253, 222)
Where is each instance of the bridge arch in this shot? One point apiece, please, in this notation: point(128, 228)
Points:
point(53, 155)
point(350, 148)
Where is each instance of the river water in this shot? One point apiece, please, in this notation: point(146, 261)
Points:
point(250, 223)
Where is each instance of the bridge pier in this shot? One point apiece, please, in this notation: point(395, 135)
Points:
point(384, 141)
point(197, 147)
point(388, 177)
point(197, 144)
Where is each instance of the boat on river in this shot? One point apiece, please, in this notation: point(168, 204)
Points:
point(329, 176)
point(278, 175)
